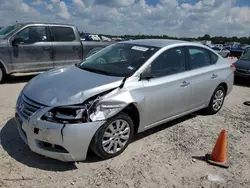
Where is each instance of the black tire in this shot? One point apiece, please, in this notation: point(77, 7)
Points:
point(96, 143)
point(2, 74)
point(210, 110)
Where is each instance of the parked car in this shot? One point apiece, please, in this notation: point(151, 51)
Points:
point(222, 51)
point(218, 45)
point(33, 47)
point(236, 51)
point(123, 89)
point(242, 65)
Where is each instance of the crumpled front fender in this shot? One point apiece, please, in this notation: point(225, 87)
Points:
point(114, 102)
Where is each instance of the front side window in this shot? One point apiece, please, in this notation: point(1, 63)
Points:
point(31, 35)
point(63, 34)
point(199, 57)
point(120, 59)
point(170, 62)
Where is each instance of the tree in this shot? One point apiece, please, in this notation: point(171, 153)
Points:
point(206, 37)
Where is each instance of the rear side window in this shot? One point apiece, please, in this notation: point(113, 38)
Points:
point(63, 34)
point(200, 57)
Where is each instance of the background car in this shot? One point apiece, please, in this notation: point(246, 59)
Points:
point(242, 65)
point(224, 52)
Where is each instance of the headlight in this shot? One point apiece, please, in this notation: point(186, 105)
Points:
point(67, 114)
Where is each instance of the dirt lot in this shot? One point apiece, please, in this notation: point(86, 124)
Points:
point(161, 157)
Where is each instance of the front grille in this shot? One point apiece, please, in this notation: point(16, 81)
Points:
point(27, 107)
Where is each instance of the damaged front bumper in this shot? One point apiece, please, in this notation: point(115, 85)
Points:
point(65, 142)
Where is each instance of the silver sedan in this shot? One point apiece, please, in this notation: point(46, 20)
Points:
point(124, 89)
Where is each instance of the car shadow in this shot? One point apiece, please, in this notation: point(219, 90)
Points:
point(18, 150)
point(163, 126)
point(13, 79)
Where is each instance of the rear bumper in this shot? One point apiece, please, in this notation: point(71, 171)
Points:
point(68, 142)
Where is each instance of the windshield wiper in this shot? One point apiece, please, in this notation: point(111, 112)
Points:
point(93, 70)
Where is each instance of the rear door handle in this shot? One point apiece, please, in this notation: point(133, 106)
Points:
point(185, 84)
point(46, 48)
point(75, 47)
point(214, 76)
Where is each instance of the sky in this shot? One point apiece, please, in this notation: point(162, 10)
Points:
point(179, 18)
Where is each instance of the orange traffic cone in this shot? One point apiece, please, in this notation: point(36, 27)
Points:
point(218, 156)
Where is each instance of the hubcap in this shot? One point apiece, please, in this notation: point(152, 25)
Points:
point(218, 100)
point(115, 136)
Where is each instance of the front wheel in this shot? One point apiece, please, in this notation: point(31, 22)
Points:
point(113, 137)
point(216, 101)
point(1, 74)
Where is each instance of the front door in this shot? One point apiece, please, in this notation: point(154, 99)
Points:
point(67, 49)
point(168, 93)
point(33, 52)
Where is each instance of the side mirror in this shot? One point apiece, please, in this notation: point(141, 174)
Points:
point(16, 41)
point(147, 74)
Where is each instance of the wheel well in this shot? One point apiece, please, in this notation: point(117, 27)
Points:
point(224, 85)
point(133, 112)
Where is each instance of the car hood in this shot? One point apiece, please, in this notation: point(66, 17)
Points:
point(242, 64)
point(67, 86)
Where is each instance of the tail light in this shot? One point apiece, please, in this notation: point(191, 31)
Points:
point(233, 67)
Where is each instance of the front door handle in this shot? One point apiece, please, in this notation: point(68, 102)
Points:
point(185, 84)
point(214, 76)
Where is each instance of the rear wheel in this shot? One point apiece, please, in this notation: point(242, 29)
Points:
point(113, 137)
point(216, 101)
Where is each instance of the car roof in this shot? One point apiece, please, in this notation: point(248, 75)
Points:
point(154, 42)
point(44, 23)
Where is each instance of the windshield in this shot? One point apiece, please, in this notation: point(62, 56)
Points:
point(119, 59)
point(246, 55)
point(6, 30)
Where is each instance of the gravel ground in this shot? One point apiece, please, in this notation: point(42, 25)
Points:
point(169, 155)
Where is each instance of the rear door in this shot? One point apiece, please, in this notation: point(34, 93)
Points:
point(34, 50)
point(67, 48)
point(205, 74)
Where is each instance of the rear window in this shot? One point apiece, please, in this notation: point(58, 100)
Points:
point(63, 34)
point(201, 57)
